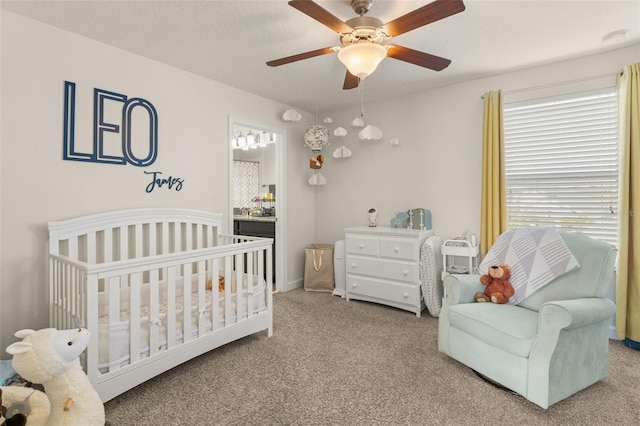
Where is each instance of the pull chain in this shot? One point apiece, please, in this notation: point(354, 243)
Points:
point(361, 93)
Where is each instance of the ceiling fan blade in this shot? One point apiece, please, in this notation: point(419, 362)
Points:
point(350, 81)
point(432, 12)
point(301, 56)
point(315, 11)
point(416, 57)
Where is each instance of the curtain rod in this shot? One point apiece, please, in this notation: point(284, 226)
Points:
point(560, 83)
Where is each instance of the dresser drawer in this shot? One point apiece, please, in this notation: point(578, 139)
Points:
point(376, 267)
point(358, 244)
point(371, 289)
point(397, 248)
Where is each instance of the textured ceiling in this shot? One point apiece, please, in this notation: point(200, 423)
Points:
point(230, 41)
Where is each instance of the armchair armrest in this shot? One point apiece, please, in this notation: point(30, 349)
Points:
point(461, 288)
point(553, 359)
point(575, 313)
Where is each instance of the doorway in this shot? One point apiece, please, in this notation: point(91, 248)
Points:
point(262, 197)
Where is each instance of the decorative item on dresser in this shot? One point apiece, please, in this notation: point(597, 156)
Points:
point(383, 266)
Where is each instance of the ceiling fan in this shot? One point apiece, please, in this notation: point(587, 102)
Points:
point(362, 37)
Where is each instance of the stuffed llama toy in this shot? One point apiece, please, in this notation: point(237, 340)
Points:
point(50, 357)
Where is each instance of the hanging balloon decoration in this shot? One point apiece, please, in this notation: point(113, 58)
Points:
point(316, 137)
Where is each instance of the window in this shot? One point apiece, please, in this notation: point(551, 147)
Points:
point(246, 182)
point(561, 163)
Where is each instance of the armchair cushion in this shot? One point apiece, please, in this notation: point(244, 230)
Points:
point(536, 255)
point(510, 328)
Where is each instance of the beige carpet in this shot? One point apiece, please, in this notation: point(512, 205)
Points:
point(333, 362)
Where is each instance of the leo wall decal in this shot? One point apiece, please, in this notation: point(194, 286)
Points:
point(104, 100)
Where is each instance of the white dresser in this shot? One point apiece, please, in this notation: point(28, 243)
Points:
point(383, 266)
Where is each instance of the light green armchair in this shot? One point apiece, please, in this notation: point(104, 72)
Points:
point(550, 346)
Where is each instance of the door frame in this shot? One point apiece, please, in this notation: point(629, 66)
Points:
point(281, 192)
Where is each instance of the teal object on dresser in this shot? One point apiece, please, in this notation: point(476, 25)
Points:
point(420, 219)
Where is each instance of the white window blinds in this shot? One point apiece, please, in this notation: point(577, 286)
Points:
point(561, 163)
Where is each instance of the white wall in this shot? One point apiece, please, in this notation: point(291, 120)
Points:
point(37, 186)
point(437, 164)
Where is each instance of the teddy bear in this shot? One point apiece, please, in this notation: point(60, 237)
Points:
point(220, 283)
point(499, 289)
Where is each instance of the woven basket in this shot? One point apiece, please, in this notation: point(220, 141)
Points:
point(430, 274)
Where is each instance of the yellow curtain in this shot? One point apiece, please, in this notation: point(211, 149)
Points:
point(628, 272)
point(493, 215)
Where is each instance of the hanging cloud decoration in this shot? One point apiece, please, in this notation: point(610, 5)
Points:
point(317, 179)
point(357, 122)
point(370, 133)
point(340, 131)
point(291, 115)
point(328, 120)
point(342, 152)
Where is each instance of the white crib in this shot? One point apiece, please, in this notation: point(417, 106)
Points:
point(138, 281)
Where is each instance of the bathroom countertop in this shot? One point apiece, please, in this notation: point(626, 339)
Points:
point(255, 218)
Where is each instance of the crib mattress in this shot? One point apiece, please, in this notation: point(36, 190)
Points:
point(114, 337)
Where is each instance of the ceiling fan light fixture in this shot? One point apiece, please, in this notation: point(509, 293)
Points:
point(362, 59)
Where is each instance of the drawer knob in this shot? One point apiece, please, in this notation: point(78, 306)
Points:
point(406, 295)
point(354, 285)
point(396, 249)
point(405, 272)
point(353, 265)
point(361, 245)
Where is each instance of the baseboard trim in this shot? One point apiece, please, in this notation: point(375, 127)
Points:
point(299, 283)
point(612, 332)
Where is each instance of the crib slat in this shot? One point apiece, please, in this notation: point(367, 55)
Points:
point(113, 287)
point(137, 247)
point(134, 318)
point(227, 286)
point(177, 239)
point(91, 247)
point(124, 243)
point(152, 239)
point(202, 307)
point(215, 300)
point(186, 302)
point(171, 307)
point(239, 286)
point(209, 236)
point(165, 238)
point(73, 248)
point(188, 268)
point(154, 316)
point(188, 236)
point(108, 245)
point(268, 290)
point(52, 286)
point(82, 297)
point(73, 294)
point(250, 277)
point(90, 289)
point(199, 237)
point(65, 295)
